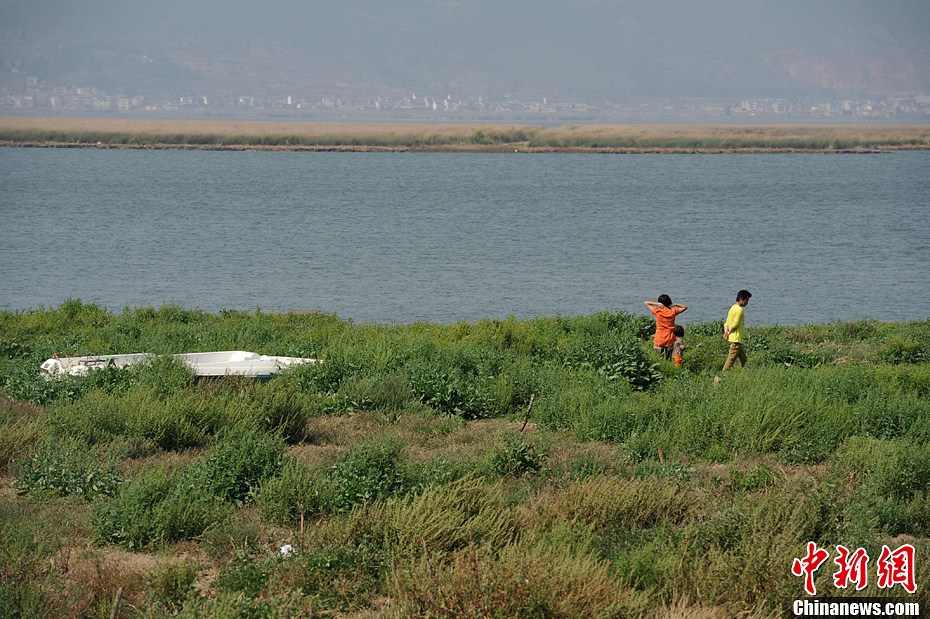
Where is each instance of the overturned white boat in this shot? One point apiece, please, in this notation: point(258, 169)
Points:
point(203, 364)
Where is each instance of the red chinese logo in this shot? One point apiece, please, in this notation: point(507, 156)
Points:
point(852, 568)
point(808, 565)
point(896, 567)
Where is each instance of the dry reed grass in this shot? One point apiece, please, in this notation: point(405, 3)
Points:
point(280, 135)
point(604, 501)
point(91, 578)
point(518, 580)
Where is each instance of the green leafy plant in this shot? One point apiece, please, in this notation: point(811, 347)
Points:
point(297, 493)
point(905, 350)
point(62, 468)
point(515, 457)
point(158, 507)
point(755, 479)
point(247, 574)
point(170, 587)
point(615, 358)
point(366, 472)
point(633, 366)
point(238, 463)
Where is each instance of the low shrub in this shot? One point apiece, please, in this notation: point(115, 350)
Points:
point(626, 420)
point(704, 353)
point(567, 398)
point(452, 391)
point(27, 586)
point(458, 378)
point(95, 420)
point(62, 468)
point(240, 460)
point(320, 378)
point(164, 375)
point(888, 413)
point(158, 507)
point(772, 346)
point(515, 457)
point(247, 574)
point(22, 429)
point(276, 407)
point(237, 605)
point(757, 478)
point(437, 472)
point(643, 559)
point(385, 393)
point(338, 578)
point(243, 532)
point(170, 587)
point(899, 350)
point(176, 422)
point(369, 471)
point(751, 541)
point(296, 493)
point(613, 357)
point(446, 518)
point(891, 479)
point(25, 384)
point(587, 464)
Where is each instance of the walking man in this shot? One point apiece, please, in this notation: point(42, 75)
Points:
point(734, 330)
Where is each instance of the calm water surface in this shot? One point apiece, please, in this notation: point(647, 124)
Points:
point(443, 237)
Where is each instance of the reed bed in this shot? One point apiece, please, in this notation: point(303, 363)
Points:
point(127, 133)
point(553, 467)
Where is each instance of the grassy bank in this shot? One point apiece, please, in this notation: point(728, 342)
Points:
point(127, 133)
point(548, 468)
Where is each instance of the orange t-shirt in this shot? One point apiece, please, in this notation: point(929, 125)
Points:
point(665, 324)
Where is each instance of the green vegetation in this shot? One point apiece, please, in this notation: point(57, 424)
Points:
point(552, 467)
point(234, 135)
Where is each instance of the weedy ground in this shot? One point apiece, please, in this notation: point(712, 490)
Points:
point(540, 468)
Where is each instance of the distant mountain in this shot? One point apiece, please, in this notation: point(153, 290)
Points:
point(587, 49)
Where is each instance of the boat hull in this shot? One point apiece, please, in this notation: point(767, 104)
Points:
point(203, 364)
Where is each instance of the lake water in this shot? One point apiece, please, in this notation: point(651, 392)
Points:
point(399, 237)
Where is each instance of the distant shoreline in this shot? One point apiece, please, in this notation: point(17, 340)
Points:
point(473, 138)
point(451, 148)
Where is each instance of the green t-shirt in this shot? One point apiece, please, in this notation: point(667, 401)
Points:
point(735, 324)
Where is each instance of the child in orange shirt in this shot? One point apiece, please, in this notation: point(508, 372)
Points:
point(678, 346)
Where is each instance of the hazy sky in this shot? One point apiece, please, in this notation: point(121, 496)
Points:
point(583, 48)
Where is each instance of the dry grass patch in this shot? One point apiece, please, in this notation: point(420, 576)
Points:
point(604, 501)
point(317, 456)
point(282, 135)
point(423, 433)
point(459, 441)
point(173, 460)
point(568, 458)
point(518, 580)
point(343, 430)
point(684, 608)
point(90, 578)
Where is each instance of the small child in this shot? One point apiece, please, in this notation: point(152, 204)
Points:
point(678, 347)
